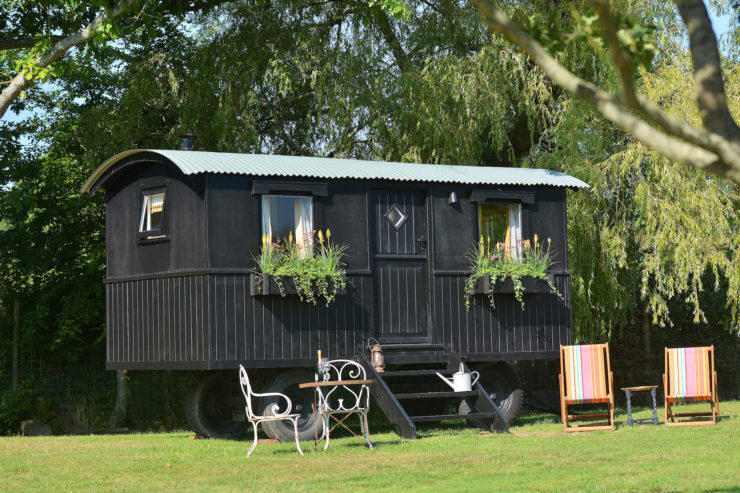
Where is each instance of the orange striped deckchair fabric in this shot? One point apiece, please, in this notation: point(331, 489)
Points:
point(689, 374)
point(585, 374)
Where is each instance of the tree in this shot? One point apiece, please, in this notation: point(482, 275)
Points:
point(713, 148)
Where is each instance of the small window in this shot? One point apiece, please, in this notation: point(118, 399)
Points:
point(396, 216)
point(501, 223)
point(152, 211)
point(287, 216)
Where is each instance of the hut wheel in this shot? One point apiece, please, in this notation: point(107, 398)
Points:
point(503, 385)
point(211, 403)
point(286, 382)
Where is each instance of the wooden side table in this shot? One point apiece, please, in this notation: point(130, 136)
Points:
point(644, 388)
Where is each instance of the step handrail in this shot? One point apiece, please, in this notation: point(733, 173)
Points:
point(388, 402)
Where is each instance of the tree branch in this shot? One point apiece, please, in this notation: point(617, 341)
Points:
point(621, 59)
point(384, 24)
point(17, 44)
point(608, 105)
point(708, 84)
point(22, 81)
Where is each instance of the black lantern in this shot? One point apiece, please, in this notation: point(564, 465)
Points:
point(376, 356)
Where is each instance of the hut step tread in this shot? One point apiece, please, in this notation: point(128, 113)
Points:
point(415, 373)
point(436, 395)
point(447, 417)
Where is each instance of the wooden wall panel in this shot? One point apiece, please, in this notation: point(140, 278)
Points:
point(505, 328)
point(257, 330)
point(160, 322)
point(211, 321)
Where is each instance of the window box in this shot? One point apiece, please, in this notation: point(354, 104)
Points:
point(531, 285)
point(266, 285)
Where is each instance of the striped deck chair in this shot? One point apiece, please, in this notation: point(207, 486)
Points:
point(586, 378)
point(690, 377)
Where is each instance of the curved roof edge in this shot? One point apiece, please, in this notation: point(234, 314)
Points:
point(195, 162)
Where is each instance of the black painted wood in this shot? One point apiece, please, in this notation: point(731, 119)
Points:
point(186, 302)
point(387, 401)
point(158, 322)
point(436, 395)
point(436, 418)
point(401, 270)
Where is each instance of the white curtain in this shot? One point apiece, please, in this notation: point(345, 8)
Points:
point(515, 229)
point(303, 223)
point(266, 223)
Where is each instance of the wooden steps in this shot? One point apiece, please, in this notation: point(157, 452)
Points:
point(399, 392)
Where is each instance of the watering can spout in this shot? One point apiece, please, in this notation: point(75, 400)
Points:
point(446, 380)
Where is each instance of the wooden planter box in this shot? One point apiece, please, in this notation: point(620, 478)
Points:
point(531, 285)
point(265, 285)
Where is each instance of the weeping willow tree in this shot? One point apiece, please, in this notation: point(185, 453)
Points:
point(650, 228)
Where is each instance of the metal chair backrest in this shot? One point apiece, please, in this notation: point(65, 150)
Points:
point(344, 398)
point(586, 370)
point(689, 373)
point(247, 391)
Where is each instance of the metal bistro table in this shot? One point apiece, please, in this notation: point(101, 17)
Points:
point(329, 383)
point(644, 388)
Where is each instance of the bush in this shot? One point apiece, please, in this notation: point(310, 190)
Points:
point(15, 406)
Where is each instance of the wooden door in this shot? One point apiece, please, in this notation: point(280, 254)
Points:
point(400, 265)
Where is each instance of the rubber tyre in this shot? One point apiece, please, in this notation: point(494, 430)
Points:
point(286, 382)
point(501, 381)
point(209, 405)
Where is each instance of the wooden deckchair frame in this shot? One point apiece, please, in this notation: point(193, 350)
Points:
point(713, 399)
point(608, 416)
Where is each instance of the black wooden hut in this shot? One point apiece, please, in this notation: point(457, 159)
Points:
point(183, 229)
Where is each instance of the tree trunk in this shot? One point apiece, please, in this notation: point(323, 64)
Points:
point(646, 332)
point(16, 332)
point(118, 416)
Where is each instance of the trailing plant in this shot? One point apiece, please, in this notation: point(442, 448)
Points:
point(500, 261)
point(317, 270)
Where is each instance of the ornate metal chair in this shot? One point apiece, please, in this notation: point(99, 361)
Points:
point(343, 400)
point(276, 415)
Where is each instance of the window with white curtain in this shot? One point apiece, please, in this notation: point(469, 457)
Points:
point(286, 214)
point(152, 211)
point(501, 223)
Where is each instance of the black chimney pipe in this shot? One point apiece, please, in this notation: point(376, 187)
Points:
point(187, 142)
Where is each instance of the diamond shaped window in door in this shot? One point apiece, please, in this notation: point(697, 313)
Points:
point(396, 216)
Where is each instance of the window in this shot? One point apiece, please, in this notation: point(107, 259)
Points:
point(396, 216)
point(152, 211)
point(502, 224)
point(283, 215)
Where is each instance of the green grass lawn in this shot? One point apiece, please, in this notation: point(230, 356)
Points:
point(537, 456)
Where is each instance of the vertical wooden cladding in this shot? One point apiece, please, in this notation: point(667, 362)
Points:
point(402, 242)
point(542, 325)
point(401, 299)
point(252, 330)
point(161, 322)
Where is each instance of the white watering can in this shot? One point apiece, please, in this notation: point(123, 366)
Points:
point(461, 380)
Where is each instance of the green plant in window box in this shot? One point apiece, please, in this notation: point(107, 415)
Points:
point(317, 271)
point(500, 261)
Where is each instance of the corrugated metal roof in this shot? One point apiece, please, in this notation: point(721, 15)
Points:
point(194, 162)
